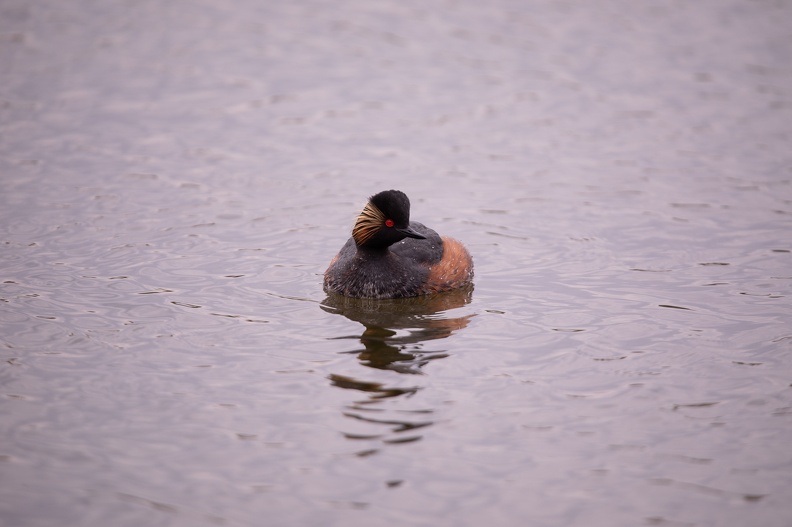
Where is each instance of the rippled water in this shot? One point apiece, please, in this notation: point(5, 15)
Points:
point(176, 177)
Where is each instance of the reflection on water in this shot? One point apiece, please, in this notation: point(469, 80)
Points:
point(396, 328)
point(393, 339)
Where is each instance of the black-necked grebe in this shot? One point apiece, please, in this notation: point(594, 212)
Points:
point(389, 256)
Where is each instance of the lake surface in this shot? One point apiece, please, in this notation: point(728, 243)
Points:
point(176, 176)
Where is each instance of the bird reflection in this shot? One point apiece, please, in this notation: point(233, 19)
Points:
point(395, 329)
point(393, 337)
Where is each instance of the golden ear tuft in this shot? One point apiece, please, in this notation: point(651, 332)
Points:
point(368, 223)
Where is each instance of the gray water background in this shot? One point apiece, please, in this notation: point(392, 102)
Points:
point(175, 177)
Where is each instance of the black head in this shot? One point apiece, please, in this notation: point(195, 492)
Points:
point(384, 221)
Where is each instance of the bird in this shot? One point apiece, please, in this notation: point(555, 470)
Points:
point(389, 256)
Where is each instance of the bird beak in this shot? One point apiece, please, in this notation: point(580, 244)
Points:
point(411, 233)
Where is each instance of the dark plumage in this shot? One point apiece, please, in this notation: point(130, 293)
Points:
point(388, 256)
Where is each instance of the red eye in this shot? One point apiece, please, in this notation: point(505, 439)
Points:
point(389, 223)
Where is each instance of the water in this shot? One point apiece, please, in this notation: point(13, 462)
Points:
point(176, 177)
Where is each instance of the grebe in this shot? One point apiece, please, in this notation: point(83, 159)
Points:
point(389, 256)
